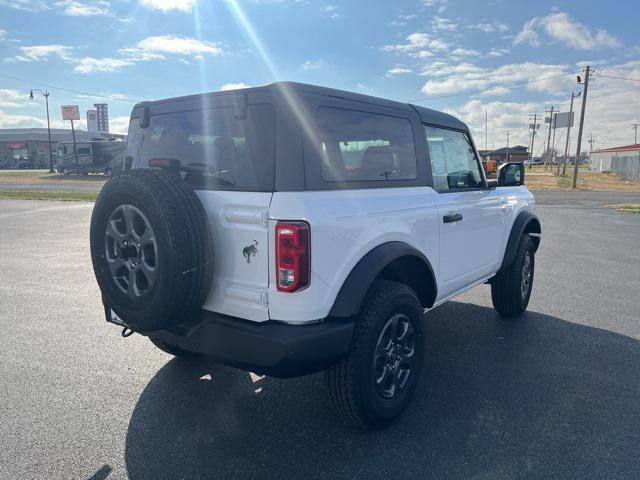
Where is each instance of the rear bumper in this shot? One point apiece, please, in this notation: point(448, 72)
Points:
point(270, 348)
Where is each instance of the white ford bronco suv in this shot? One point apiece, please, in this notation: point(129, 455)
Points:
point(290, 229)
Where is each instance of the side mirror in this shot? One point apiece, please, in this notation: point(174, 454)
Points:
point(511, 174)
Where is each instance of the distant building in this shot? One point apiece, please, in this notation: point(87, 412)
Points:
point(624, 160)
point(31, 145)
point(516, 154)
point(102, 112)
point(92, 121)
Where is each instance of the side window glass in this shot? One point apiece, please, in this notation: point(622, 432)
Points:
point(359, 146)
point(453, 161)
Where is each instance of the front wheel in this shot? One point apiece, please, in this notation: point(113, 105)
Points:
point(376, 381)
point(511, 288)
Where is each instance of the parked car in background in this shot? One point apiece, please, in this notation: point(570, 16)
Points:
point(25, 163)
point(98, 156)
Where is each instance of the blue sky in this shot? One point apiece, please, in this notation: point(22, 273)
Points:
point(465, 57)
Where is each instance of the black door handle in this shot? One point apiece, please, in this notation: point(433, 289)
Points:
point(454, 217)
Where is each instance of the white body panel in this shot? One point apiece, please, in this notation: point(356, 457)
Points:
point(345, 226)
point(238, 220)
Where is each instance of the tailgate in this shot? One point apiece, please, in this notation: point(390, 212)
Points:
point(239, 223)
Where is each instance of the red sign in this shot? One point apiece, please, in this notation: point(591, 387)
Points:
point(16, 145)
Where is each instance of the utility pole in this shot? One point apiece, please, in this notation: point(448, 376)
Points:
point(566, 145)
point(553, 141)
point(533, 137)
point(591, 142)
point(507, 146)
point(547, 160)
point(46, 99)
point(635, 132)
point(580, 128)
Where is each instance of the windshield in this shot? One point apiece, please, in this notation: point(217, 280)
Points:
point(214, 148)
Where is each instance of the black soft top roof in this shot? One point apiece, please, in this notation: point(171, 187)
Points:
point(427, 115)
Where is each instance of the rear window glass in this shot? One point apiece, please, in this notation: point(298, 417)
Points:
point(359, 146)
point(216, 150)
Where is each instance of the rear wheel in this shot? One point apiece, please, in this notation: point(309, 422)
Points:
point(376, 381)
point(511, 288)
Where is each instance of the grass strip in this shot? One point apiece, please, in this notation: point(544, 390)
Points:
point(48, 195)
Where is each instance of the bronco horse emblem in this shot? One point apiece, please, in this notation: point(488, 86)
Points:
point(250, 250)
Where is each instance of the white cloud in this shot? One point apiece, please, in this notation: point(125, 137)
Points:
point(559, 26)
point(440, 4)
point(332, 11)
point(466, 77)
point(233, 86)
point(310, 65)
point(443, 24)
point(9, 120)
point(490, 27)
point(12, 98)
point(151, 49)
point(168, 5)
point(465, 52)
point(361, 88)
point(609, 113)
point(398, 71)
point(498, 52)
point(119, 124)
point(418, 45)
point(174, 45)
point(75, 8)
point(105, 65)
point(402, 20)
point(528, 34)
point(42, 52)
point(27, 5)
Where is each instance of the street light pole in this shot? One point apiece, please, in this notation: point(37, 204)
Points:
point(46, 99)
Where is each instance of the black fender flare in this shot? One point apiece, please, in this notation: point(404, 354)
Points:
point(355, 287)
point(528, 222)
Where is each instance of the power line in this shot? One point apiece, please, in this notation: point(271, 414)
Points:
point(79, 92)
point(619, 78)
point(521, 84)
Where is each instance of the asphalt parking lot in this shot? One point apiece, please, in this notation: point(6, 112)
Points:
point(554, 395)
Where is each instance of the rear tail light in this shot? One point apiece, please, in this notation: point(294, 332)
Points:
point(293, 256)
point(164, 163)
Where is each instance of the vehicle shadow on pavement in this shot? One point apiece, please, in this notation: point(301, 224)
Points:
point(536, 398)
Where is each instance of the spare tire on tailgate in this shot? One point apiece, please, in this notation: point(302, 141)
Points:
point(151, 249)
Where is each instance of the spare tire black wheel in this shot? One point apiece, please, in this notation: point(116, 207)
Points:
point(151, 248)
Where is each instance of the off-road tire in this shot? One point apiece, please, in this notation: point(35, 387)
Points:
point(173, 350)
point(506, 286)
point(351, 383)
point(184, 247)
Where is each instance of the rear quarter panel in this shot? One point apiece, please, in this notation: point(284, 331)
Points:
point(345, 226)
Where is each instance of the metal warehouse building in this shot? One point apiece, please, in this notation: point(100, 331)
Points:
point(624, 160)
point(32, 144)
